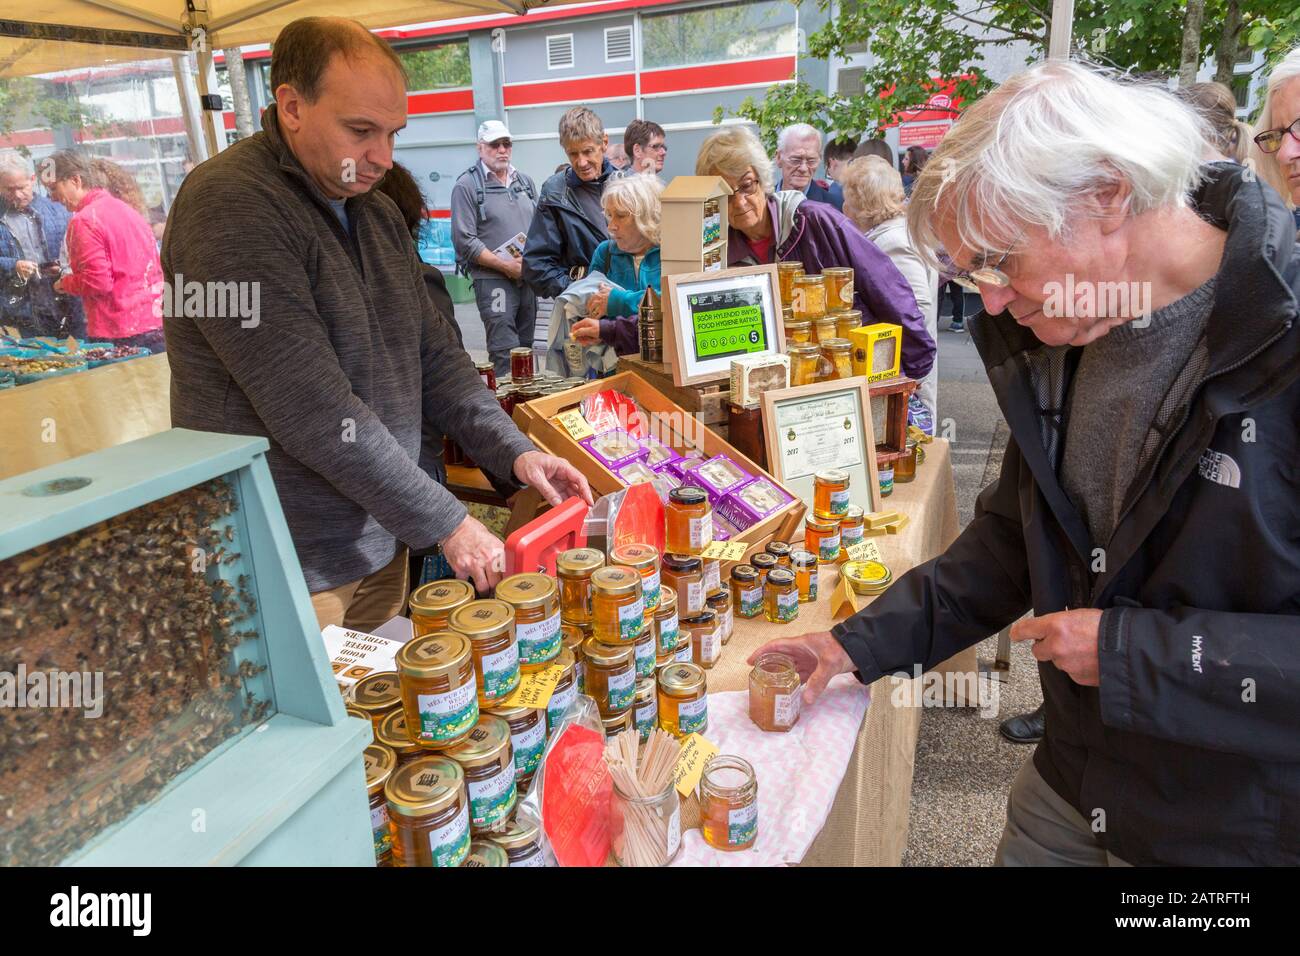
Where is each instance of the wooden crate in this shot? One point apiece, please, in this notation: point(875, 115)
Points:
point(708, 400)
point(895, 392)
point(537, 419)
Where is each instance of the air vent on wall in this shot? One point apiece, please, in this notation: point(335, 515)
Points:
point(559, 51)
point(618, 44)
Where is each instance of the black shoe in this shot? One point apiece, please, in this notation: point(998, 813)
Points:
point(1025, 728)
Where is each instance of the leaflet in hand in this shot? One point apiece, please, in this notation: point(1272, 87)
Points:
point(512, 248)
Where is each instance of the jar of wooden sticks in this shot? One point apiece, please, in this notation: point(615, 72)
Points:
point(645, 811)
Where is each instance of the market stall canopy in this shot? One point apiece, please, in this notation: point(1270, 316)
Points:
point(56, 35)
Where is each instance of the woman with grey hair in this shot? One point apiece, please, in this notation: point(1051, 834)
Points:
point(1277, 144)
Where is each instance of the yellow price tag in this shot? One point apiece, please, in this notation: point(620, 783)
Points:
point(534, 689)
point(726, 551)
point(866, 550)
point(573, 423)
point(696, 752)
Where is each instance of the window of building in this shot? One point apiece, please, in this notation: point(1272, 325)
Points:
point(734, 31)
point(618, 44)
point(559, 51)
point(1241, 90)
point(439, 67)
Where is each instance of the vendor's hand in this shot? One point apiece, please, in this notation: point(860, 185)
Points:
point(817, 657)
point(586, 332)
point(598, 301)
point(1069, 639)
point(512, 268)
point(26, 268)
point(475, 552)
point(555, 478)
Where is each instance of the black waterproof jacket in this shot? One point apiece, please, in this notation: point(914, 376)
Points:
point(1189, 751)
point(561, 238)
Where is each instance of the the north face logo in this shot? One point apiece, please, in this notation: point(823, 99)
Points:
point(1220, 468)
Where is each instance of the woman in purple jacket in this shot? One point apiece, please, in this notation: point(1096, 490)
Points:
point(767, 226)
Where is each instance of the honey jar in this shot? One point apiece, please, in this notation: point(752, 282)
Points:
point(665, 626)
point(779, 550)
point(685, 653)
point(852, 529)
point(846, 322)
point(805, 360)
point(711, 569)
point(611, 676)
point(688, 520)
point(617, 606)
point(774, 693)
point(705, 638)
point(487, 759)
point(520, 840)
point(646, 706)
point(573, 569)
point(352, 710)
point(644, 559)
point(438, 690)
point(804, 565)
point(392, 732)
point(719, 603)
point(831, 494)
point(780, 596)
point(905, 467)
point(823, 329)
point(490, 626)
point(839, 288)
point(821, 536)
point(644, 652)
point(618, 724)
point(683, 700)
point(729, 803)
point(684, 573)
point(762, 562)
point(376, 695)
point(485, 853)
point(432, 604)
point(785, 276)
point(527, 741)
point(839, 358)
point(428, 813)
point(574, 637)
point(809, 297)
point(380, 762)
point(746, 591)
point(566, 690)
point(536, 601)
point(798, 333)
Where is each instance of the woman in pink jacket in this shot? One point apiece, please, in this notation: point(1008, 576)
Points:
point(112, 255)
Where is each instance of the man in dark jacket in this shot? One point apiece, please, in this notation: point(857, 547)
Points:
point(1146, 509)
point(569, 223)
point(798, 154)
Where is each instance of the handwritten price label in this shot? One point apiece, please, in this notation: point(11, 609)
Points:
point(573, 423)
point(696, 752)
point(864, 551)
point(535, 689)
point(726, 551)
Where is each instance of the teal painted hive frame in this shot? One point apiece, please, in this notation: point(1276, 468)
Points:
point(289, 789)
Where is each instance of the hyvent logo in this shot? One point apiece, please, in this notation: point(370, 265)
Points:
point(103, 909)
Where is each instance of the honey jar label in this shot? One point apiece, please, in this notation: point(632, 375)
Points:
point(631, 619)
point(692, 716)
point(650, 589)
point(683, 656)
point(449, 845)
point(787, 606)
point(812, 584)
point(712, 576)
point(851, 536)
point(669, 632)
point(491, 800)
point(528, 746)
point(500, 673)
point(559, 704)
point(710, 645)
point(840, 502)
point(751, 602)
point(449, 714)
point(622, 688)
point(645, 658)
point(742, 824)
point(701, 532)
point(540, 640)
point(828, 548)
point(647, 716)
point(383, 837)
point(786, 709)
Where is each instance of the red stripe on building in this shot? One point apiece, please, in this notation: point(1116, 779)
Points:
point(439, 213)
point(27, 137)
point(575, 91)
point(686, 78)
point(447, 101)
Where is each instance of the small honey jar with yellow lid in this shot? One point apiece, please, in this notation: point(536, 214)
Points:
point(573, 569)
point(432, 604)
point(617, 605)
point(439, 695)
point(377, 694)
point(428, 813)
point(683, 700)
point(380, 762)
point(536, 601)
point(490, 626)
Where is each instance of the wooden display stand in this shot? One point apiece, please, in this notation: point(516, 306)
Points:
point(895, 392)
point(707, 401)
point(682, 248)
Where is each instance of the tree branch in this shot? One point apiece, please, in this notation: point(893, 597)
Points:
point(1019, 34)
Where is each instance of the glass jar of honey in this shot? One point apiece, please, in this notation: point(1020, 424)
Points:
point(617, 606)
point(831, 494)
point(521, 841)
point(377, 695)
point(439, 697)
point(774, 692)
point(839, 358)
point(432, 604)
point(646, 706)
point(611, 676)
point(392, 732)
point(905, 467)
point(762, 562)
point(821, 536)
point(780, 596)
point(779, 550)
point(885, 472)
point(798, 333)
point(643, 559)
point(490, 626)
point(804, 565)
point(823, 329)
point(536, 600)
point(683, 700)
point(574, 637)
point(380, 762)
point(527, 741)
point(846, 322)
point(719, 603)
point(785, 275)
point(805, 359)
point(685, 653)
point(839, 288)
point(665, 627)
point(644, 652)
point(688, 520)
point(573, 569)
point(485, 853)
point(566, 690)
point(705, 639)
point(487, 759)
point(729, 803)
point(684, 573)
point(711, 569)
point(618, 724)
point(809, 294)
point(521, 365)
point(852, 529)
point(746, 591)
point(428, 813)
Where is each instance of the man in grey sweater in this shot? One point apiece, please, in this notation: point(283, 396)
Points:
point(342, 359)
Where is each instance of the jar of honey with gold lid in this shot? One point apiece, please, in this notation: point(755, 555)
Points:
point(683, 700)
point(846, 322)
point(798, 332)
point(536, 601)
point(839, 358)
point(392, 732)
point(487, 758)
point(822, 538)
point(439, 694)
point(432, 604)
point(527, 740)
point(688, 521)
point(377, 694)
point(852, 529)
point(486, 853)
point(644, 559)
point(839, 288)
point(520, 840)
point(428, 812)
point(809, 297)
point(611, 676)
point(617, 605)
point(573, 569)
point(823, 329)
point(380, 762)
point(804, 565)
point(616, 724)
point(785, 275)
point(831, 494)
point(805, 362)
point(490, 626)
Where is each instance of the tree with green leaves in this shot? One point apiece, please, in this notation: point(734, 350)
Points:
point(30, 103)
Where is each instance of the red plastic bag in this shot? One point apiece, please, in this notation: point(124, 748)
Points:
point(612, 409)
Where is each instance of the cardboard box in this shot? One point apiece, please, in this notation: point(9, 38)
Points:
point(751, 376)
point(877, 351)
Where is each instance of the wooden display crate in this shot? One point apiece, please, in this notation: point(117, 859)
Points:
point(708, 401)
point(671, 424)
point(891, 440)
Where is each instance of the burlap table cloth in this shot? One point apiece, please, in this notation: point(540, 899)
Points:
point(867, 825)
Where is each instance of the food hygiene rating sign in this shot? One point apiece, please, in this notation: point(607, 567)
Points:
point(727, 322)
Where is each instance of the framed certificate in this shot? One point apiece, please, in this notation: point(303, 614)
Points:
point(812, 428)
point(711, 318)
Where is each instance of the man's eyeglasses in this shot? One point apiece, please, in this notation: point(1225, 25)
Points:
point(803, 162)
point(1270, 141)
point(972, 279)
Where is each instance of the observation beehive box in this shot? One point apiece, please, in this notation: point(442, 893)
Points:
point(167, 697)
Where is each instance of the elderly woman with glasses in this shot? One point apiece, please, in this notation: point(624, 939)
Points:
point(1277, 145)
point(768, 226)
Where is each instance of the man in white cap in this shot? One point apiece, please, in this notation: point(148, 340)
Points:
point(491, 203)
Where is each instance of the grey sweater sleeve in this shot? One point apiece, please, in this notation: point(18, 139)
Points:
point(464, 222)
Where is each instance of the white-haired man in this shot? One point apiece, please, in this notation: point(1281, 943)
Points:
point(1146, 507)
point(798, 154)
